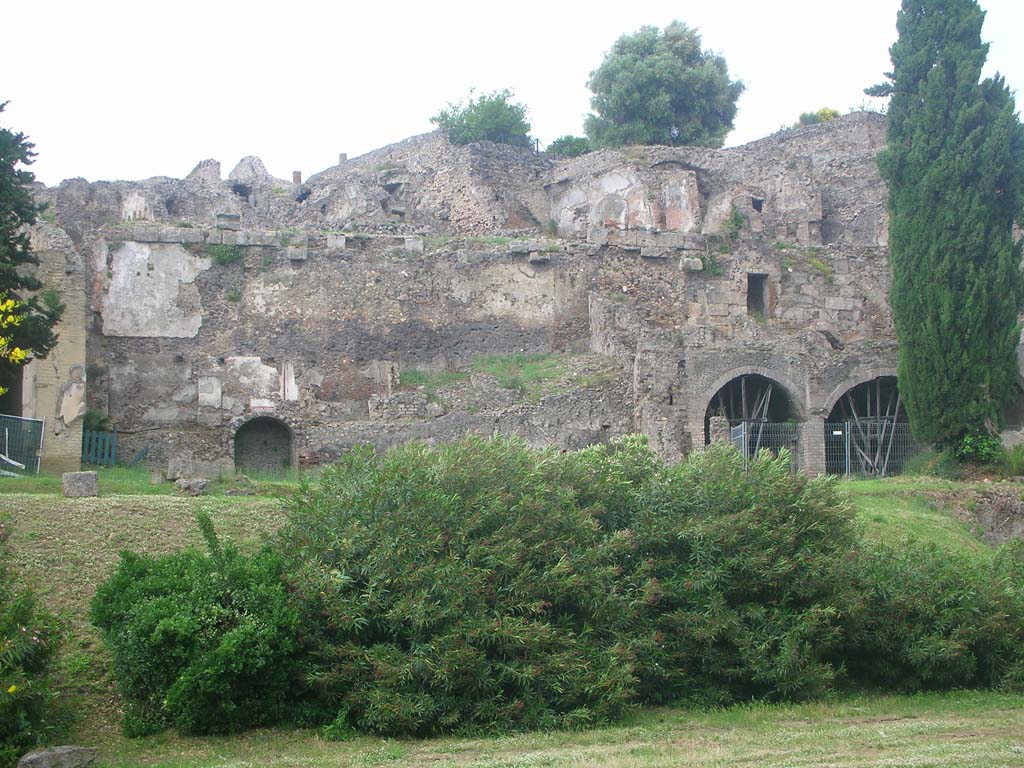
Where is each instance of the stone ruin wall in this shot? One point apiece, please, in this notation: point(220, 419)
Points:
point(388, 262)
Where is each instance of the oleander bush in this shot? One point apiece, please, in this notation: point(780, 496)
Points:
point(736, 580)
point(204, 641)
point(460, 587)
point(923, 618)
point(484, 586)
point(29, 638)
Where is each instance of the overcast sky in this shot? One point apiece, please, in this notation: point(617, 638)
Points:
point(128, 90)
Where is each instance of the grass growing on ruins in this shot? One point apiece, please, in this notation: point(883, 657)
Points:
point(928, 509)
point(522, 372)
point(431, 381)
point(65, 547)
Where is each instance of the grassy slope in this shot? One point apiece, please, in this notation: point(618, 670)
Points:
point(66, 546)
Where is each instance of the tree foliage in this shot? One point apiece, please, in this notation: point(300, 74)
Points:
point(489, 117)
point(955, 168)
point(658, 87)
point(27, 328)
point(822, 115)
point(569, 146)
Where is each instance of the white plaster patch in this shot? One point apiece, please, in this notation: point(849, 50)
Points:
point(135, 207)
point(249, 376)
point(150, 284)
point(209, 392)
point(289, 389)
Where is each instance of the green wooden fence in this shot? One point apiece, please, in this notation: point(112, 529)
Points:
point(99, 448)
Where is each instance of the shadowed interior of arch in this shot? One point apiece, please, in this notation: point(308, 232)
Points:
point(750, 398)
point(263, 445)
point(866, 432)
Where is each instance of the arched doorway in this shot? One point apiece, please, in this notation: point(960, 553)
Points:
point(760, 411)
point(263, 445)
point(867, 432)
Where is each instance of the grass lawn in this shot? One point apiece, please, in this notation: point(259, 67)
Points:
point(66, 546)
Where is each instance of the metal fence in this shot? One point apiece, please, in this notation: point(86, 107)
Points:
point(749, 437)
point(21, 444)
point(868, 448)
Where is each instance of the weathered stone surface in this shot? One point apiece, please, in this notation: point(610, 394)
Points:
point(77, 484)
point(192, 486)
point(318, 345)
point(59, 757)
point(152, 292)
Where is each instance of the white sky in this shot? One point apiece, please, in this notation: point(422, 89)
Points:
point(127, 90)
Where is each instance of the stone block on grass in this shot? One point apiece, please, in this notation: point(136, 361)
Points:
point(77, 484)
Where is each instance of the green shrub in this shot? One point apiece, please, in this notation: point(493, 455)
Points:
point(29, 637)
point(921, 617)
point(489, 117)
point(224, 254)
point(458, 587)
point(978, 449)
point(736, 580)
point(569, 146)
point(204, 642)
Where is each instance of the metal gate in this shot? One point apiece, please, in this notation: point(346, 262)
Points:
point(751, 436)
point(21, 445)
point(868, 448)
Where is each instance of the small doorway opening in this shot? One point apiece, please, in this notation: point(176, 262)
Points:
point(263, 445)
point(757, 295)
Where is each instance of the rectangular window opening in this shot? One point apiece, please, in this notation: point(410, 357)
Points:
point(758, 203)
point(757, 294)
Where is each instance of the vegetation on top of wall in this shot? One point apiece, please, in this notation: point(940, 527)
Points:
point(569, 146)
point(524, 373)
point(223, 253)
point(657, 86)
point(488, 117)
point(431, 381)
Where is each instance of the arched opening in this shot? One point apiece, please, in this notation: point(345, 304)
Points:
point(263, 445)
point(761, 414)
point(867, 432)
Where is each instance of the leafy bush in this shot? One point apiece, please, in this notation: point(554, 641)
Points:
point(569, 146)
point(736, 580)
point(485, 586)
point(457, 587)
point(206, 642)
point(223, 254)
point(924, 618)
point(29, 637)
point(489, 117)
point(978, 449)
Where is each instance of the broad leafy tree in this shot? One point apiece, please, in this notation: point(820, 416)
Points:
point(659, 87)
point(488, 117)
point(29, 317)
point(955, 168)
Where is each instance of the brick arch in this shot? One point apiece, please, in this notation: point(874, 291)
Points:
point(863, 376)
point(791, 389)
point(236, 424)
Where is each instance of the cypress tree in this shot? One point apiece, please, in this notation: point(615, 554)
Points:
point(954, 164)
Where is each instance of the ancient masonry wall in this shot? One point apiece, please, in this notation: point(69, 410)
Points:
point(54, 388)
point(657, 275)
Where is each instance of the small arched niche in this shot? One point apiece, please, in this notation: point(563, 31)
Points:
point(264, 445)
